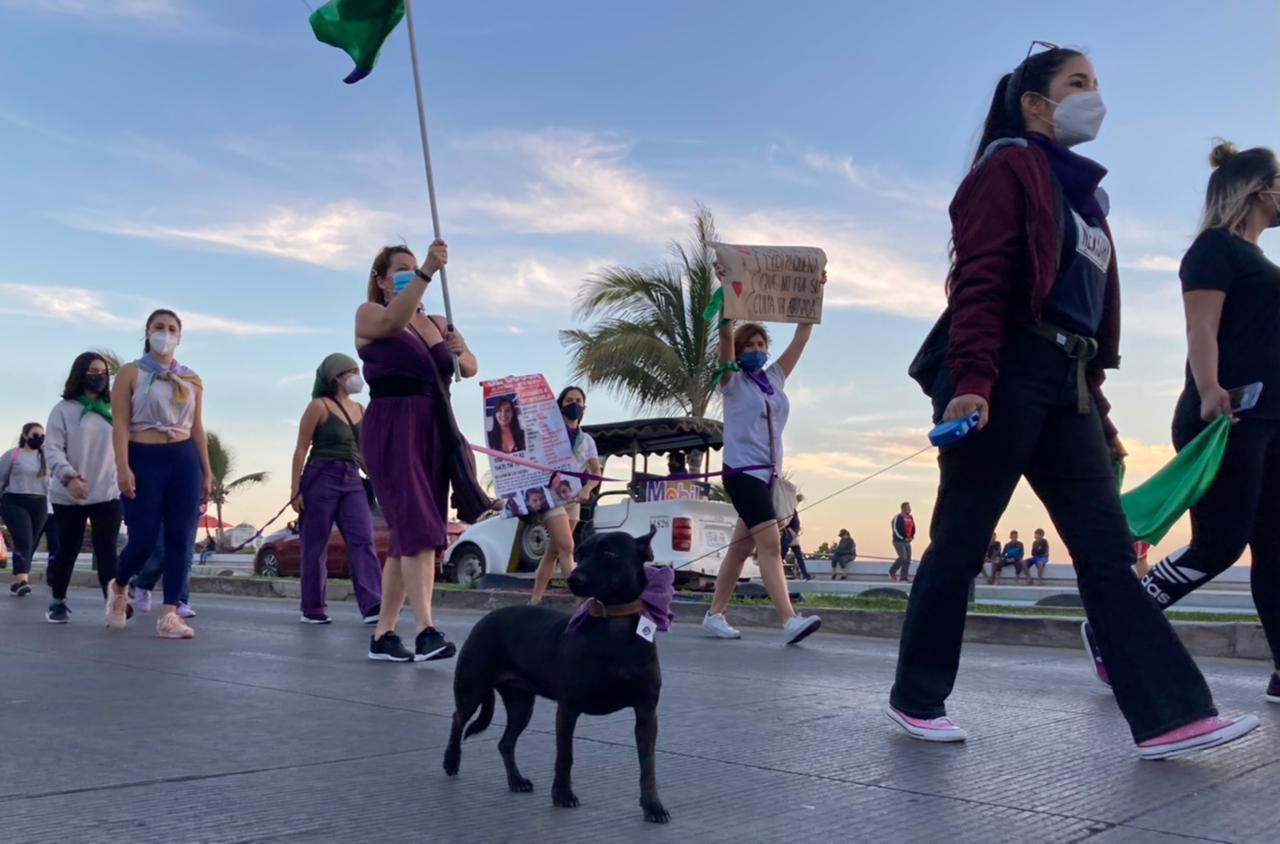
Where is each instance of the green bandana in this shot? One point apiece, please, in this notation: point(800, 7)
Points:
point(97, 406)
point(329, 370)
point(1155, 506)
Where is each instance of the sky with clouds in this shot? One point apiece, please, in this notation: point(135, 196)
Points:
point(207, 157)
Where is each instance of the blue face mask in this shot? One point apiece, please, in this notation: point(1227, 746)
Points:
point(753, 361)
point(401, 280)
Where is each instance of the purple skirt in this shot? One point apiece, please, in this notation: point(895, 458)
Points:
point(403, 452)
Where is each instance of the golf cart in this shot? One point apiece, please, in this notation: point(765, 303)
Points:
point(692, 531)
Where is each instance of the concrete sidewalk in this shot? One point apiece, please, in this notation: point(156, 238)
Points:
point(263, 729)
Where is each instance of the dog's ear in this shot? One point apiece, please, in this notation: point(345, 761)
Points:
point(645, 543)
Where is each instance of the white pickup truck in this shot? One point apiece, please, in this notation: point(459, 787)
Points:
point(692, 533)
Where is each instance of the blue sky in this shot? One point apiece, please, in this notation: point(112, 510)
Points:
point(208, 158)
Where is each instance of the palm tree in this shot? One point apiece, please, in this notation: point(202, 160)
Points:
point(651, 344)
point(222, 461)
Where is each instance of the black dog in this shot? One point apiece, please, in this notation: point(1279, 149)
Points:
point(599, 668)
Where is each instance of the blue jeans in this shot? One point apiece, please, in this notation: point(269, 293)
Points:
point(168, 492)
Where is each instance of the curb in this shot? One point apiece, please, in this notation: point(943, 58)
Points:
point(1229, 639)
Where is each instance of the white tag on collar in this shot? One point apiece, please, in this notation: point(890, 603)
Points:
point(646, 628)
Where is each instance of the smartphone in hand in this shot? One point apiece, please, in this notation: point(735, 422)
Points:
point(1244, 399)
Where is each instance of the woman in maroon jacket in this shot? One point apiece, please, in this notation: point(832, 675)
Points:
point(1034, 306)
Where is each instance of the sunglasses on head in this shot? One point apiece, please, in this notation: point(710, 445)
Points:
point(1047, 45)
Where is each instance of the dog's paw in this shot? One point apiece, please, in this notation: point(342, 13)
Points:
point(520, 786)
point(563, 798)
point(452, 761)
point(655, 812)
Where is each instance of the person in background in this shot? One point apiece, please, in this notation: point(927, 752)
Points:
point(408, 359)
point(791, 543)
point(162, 463)
point(561, 520)
point(326, 489)
point(1039, 557)
point(1011, 555)
point(756, 408)
point(1033, 325)
point(84, 488)
point(24, 501)
point(992, 558)
point(142, 585)
point(904, 531)
point(846, 552)
point(1231, 297)
point(506, 435)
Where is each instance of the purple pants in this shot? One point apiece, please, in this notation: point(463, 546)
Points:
point(332, 492)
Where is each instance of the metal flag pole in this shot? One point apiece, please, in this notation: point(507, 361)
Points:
point(431, 181)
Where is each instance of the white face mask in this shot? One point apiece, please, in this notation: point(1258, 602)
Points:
point(163, 343)
point(1077, 118)
point(354, 384)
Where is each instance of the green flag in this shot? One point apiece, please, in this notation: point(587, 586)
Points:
point(1153, 507)
point(359, 27)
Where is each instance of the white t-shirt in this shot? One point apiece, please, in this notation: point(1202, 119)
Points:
point(746, 426)
point(584, 450)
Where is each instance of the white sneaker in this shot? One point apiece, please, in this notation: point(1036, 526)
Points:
point(719, 625)
point(798, 627)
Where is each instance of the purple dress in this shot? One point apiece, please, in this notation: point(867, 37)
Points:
point(400, 440)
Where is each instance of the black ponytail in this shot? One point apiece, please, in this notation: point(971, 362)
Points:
point(1004, 117)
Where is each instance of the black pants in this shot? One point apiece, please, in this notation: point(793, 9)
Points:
point(1036, 432)
point(106, 518)
point(25, 515)
point(800, 561)
point(1241, 508)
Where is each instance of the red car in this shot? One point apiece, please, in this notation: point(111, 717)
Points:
point(281, 552)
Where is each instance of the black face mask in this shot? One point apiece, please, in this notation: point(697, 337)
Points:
point(95, 383)
point(572, 412)
point(35, 441)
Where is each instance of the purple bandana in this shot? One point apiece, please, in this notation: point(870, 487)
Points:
point(761, 380)
point(657, 595)
point(1079, 176)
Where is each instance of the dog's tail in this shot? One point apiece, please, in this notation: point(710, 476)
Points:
point(485, 718)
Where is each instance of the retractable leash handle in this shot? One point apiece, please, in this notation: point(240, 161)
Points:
point(948, 433)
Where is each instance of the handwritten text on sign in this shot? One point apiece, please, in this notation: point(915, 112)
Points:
point(772, 283)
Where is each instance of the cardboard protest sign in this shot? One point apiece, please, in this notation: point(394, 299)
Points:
point(522, 419)
point(772, 283)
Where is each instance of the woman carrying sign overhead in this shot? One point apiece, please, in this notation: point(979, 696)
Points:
point(327, 490)
point(1231, 294)
point(1033, 297)
point(560, 521)
point(755, 415)
point(408, 358)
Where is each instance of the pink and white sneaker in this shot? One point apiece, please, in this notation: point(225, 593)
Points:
point(169, 626)
point(117, 607)
point(1198, 735)
point(927, 729)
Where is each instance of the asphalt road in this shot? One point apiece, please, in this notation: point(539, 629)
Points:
point(263, 729)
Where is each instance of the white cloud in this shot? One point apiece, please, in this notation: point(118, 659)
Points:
point(83, 306)
point(148, 10)
point(542, 281)
point(575, 182)
point(334, 235)
point(1155, 263)
point(872, 179)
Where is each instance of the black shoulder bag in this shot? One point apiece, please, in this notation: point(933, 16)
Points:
point(364, 472)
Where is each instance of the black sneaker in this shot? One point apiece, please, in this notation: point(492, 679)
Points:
point(371, 617)
point(1273, 689)
point(389, 648)
point(431, 644)
point(315, 618)
point(57, 613)
point(23, 590)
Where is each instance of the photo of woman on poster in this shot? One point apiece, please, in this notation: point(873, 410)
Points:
point(505, 433)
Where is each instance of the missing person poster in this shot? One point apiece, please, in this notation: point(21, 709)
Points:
point(772, 283)
point(521, 418)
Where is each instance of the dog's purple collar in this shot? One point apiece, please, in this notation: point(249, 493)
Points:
point(657, 595)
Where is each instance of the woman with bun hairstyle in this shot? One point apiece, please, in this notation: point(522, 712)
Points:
point(1034, 306)
point(1231, 295)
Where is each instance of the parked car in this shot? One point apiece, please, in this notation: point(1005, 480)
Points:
point(692, 534)
point(281, 552)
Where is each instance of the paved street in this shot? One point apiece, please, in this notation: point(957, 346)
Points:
point(263, 729)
